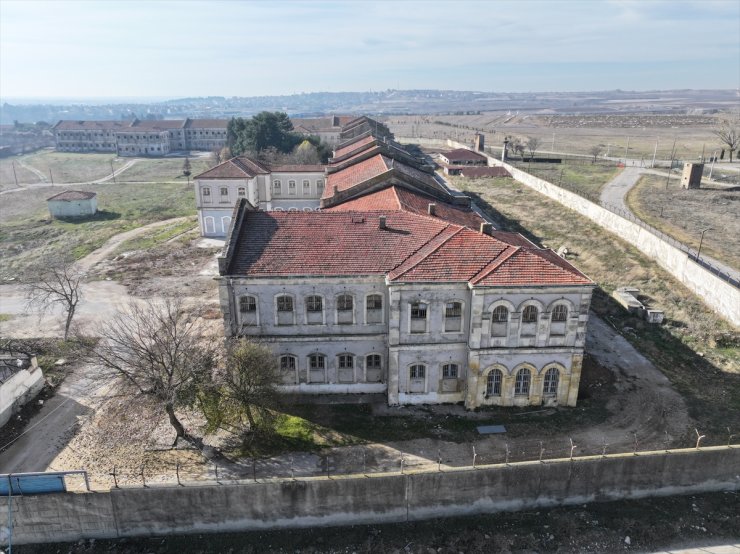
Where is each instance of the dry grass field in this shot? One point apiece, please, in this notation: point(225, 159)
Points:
point(69, 167)
point(29, 237)
point(695, 348)
point(162, 170)
point(8, 177)
point(684, 214)
point(575, 134)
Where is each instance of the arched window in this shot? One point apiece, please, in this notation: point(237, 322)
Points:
point(552, 378)
point(450, 371)
point(418, 315)
point(453, 317)
point(500, 314)
point(317, 368)
point(248, 310)
point(374, 309)
point(417, 371)
point(284, 306)
point(417, 378)
point(529, 315)
point(373, 368)
point(523, 380)
point(314, 310)
point(209, 225)
point(306, 186)
point(288, 366)
point(493, 383)
point(291, 187)
point(346, 368)
point(560, 313)
point(345, 309)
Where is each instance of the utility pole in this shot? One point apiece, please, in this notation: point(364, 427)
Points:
point(655, 152)
point(714, 158)
point(15, 176)
point(701, 240)
point(626, 148)
point(51, 177)
point(112, 172)
point(552, 148)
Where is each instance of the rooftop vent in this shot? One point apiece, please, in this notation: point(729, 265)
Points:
point(382, 222)
point(486, 228)
point(432, 209)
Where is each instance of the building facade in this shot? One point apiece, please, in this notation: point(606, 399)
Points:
point(397, 285)
point(73, 203)
point(140, 137)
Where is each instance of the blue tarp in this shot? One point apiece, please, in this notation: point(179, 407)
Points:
point(32, 484)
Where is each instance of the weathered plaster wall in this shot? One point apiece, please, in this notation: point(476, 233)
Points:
point(285, 504)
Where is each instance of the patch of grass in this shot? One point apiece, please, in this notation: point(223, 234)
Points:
point(5, 317)
point(684, 214)
point(162, 170)
point(589, 178)
point(695, 348)
point(156, 236)
point(70, 167)
point(11, 169)
point(27, 241)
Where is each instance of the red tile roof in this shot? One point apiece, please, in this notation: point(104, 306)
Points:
point(158, 124)
point(329, 244)
point(345, 149)
point(77, 125)
point(240, 167)
point(206, 123)
point(356, 174)
point(398, 198)
point(482, 172)
point(464, 154)
point(72, 195)
point(412, 248)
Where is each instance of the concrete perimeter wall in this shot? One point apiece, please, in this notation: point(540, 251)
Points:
point(284, 503)
point(718, 294)
point(21, 387)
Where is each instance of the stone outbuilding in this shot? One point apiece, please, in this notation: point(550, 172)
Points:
point(73, 203)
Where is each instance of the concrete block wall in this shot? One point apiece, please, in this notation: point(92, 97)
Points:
point(357, 499)
point(19, 389)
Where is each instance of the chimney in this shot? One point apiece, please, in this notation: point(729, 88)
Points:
point(381, 222)
point(432, 209)
point(486, 228)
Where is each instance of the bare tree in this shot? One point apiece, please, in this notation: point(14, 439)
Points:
point(595, 151)
point(533, 143)
point(160, 351)
point(244, 398)
point(59, 285)
point(728, 131)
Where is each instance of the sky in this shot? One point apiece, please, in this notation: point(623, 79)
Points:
point(175, 49)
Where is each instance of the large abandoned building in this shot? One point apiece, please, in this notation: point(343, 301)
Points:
point(140, 137)
point(397, 285)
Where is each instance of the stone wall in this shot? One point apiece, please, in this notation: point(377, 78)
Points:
point(356, 499)
point(716, 293)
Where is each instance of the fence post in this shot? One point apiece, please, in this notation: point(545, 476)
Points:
point(542, 451)
point(115, 477)
point(475, 455)
point(634, 450)
point(177, 472)
point(141, 472)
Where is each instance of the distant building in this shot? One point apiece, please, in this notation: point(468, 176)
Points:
point(328, 128)
point(454, 161)
point(140, 137)
point(73, 203)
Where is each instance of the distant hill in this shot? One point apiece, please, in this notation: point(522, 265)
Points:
point(381, 103)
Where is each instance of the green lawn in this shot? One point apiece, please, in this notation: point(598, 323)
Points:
point(695, 348)
point(70, 167)
point(162, 170)
point(29, 238)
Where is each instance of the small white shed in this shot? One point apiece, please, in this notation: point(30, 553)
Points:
point(73, 203)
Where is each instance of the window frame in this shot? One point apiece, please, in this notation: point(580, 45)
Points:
point(418, 371)
point(521, 383)
point(494, 381)
point(548, 382)
point(450, 371)
point(529, 309)
point(379, 310)
point(559, 313)
point(291, 187)
point(448, 318)
point(415, 317)
point(277, 187)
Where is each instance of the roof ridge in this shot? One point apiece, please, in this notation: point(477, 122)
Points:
point(419, 250)
point(497, 262)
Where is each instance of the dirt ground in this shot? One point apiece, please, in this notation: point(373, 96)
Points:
point(647, 525)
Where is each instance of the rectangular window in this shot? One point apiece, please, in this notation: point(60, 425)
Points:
point(291, 187)
point(319, 185)
point(306, 186)
point(277, 187)
point(449, 371)
point(242, 192)
point(247, 304)
point(314, 304)
point(418, 311)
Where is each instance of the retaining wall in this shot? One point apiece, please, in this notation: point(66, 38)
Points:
point(320, 501)
point(21, 387)
point(718, 294)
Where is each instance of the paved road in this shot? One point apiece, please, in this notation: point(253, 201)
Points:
point(615, 192)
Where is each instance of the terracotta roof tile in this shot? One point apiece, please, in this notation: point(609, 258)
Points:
point(463, 154)
point(343, 150)
point(240, 167)
point(356, 174)
point(77, 125)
